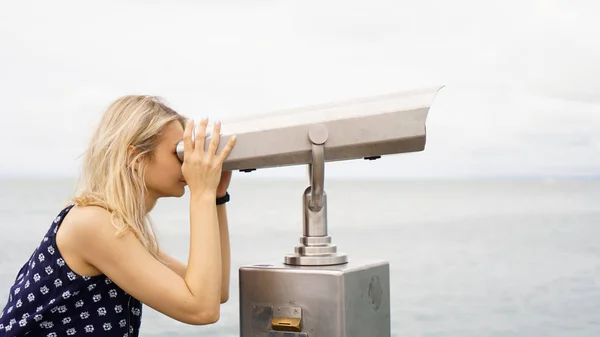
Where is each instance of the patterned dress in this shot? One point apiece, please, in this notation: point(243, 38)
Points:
point(49, 299)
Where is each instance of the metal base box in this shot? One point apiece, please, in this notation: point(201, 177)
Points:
point(345, 300)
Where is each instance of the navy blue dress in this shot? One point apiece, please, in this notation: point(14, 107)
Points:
point(49, 299)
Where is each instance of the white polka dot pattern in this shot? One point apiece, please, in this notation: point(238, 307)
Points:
point(49, 299)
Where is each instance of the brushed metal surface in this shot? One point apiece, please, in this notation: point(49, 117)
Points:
point(317, 178)
point(314, 223)
point(367, 127)
point(348, 300)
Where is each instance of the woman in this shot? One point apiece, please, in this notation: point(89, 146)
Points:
point(99, 260)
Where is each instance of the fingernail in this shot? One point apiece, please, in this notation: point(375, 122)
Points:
point(218, 123)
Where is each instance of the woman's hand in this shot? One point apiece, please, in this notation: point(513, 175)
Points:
point(202, 169)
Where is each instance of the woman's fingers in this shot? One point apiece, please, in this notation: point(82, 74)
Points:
point(200, 135)
point(188, 145)
point(214, 139)
point(227, 148)
point(213, 145)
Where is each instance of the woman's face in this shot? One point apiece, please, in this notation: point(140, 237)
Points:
point(163, 173)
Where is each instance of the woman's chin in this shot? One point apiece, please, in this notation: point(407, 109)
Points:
point(176, 192)
point(180, 192)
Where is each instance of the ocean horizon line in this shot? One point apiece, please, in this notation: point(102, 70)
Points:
point(433, 178)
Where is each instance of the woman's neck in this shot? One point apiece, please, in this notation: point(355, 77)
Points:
point(150, 202)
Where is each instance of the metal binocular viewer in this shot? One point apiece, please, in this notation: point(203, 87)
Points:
point(318, 291)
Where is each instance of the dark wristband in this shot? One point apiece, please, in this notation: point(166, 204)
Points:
point(223, 199)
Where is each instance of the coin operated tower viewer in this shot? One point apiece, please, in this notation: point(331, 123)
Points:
point(318, 291)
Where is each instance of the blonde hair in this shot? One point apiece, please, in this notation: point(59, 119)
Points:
point(113, 172)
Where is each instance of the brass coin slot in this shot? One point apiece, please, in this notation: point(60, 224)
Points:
point(285, 324)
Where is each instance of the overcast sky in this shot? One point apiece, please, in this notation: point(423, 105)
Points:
point(522, 95)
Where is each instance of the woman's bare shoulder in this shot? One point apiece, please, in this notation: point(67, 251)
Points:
point(83, 225)
point(80, 227)
point(86, 217)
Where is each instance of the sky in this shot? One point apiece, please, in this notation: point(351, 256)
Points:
point(521, 95)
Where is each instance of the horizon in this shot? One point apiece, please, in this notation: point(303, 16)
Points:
point(250, 177)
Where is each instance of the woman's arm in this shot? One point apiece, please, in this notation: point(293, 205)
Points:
point(194, 298)
point(225, 252)
point(180, 268)
point(174, 264)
